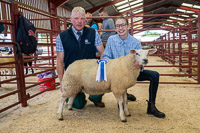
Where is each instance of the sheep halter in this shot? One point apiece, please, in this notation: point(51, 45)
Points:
point(101, 72)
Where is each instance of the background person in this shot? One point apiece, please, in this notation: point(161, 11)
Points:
point(108, 24)
point(90, 22)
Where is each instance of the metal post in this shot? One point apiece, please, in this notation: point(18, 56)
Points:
point(169, 57)
point(198, 36)
point(19, 66)
point(173, 51)
point(189, 49)
point(165, 47)
point(52, 49)
point(132, 15)
point(54, 22)
point(180, 50)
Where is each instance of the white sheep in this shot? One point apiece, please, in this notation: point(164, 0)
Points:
point(121, 72)
point(9, 69)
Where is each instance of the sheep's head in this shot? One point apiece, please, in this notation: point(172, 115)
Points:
point(141, 56)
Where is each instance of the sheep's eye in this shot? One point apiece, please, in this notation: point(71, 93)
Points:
point(137, 54)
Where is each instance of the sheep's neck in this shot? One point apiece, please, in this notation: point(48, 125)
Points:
point(129, 61)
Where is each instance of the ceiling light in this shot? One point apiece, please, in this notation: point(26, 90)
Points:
point(172, 17)
point(181, 23)
point(169, 20)
point(195, 15)
point(138, 11)
point(137, 5)
point(190, 12)
point(135, 2)
point(137, 18)
point(180, 19)
point(120, 3)
point(195, 6)
point(124, 9)
point(176, 18)
point(185, 16)
point(122, 6)
point(180, 10)
point(186, 4)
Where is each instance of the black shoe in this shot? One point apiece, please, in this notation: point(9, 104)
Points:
point(152, 110)
point(99, 104)
point(131, 97)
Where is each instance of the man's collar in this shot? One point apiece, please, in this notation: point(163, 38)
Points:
point(124, 39)
point(75, 31)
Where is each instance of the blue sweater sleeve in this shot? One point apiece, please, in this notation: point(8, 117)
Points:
point(94, 26)
point(107, 55)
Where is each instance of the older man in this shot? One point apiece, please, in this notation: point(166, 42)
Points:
point(78, 42)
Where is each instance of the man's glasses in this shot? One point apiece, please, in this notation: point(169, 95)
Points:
point(120, 25)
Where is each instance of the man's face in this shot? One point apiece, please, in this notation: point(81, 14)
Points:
point(88, 19)
point(104, 13)
point(78, 21)
point(121, 27)
point(101, 14)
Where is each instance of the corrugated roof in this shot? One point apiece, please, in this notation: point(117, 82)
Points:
point(142, 7)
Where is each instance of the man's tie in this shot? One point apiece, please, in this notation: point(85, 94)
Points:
point(79, 36)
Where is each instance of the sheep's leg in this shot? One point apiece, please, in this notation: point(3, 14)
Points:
point(125, 102)
point(14, 72)
point(32, 70)
point(0, 76)
point(70, 102)
point(9, 73)
point(26, 71)
point(121, 110)
point(4, 73)
point(26, 65)
point(30, 64)
point(60, 109)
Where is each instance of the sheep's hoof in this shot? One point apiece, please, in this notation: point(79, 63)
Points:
point(128, 115)
point(60, 119)
point(123, 120)
point(69, 108)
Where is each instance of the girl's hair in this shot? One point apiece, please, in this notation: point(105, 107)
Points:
point(121, 17)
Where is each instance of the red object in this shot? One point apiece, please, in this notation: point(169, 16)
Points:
point(46, 85)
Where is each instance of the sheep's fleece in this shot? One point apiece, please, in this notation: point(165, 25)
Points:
point(121, 75)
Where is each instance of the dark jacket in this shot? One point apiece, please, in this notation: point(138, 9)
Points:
point(73, 50)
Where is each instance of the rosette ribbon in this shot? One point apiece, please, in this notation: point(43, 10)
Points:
point(101, 72)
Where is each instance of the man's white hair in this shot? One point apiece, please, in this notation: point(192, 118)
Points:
point(78, 10)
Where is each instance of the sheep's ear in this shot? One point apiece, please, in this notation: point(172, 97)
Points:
point(152, 51)
point(132, 51)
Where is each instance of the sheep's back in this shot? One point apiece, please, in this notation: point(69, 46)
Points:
point(119, 76)
point(83, 73)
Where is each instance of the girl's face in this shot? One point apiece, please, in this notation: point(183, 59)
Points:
point(121, 27)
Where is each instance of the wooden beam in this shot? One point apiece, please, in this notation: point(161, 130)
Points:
point(142, 6)
point(60, 2)
point(103, 5)
point(188, 8)
point(150, 23)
